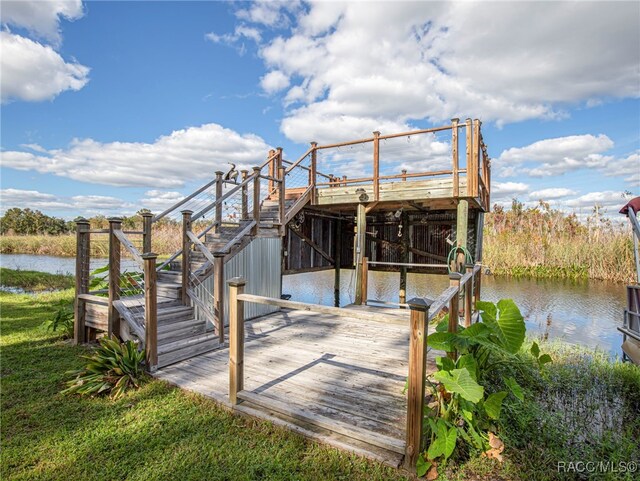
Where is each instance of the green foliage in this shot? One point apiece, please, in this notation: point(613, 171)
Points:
point(466, 406)
point(27, 221)
point(131, 281)
point(62, 320)
point(112, 369)
point(34, 280)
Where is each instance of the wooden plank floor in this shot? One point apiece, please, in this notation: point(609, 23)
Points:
point(348, 370)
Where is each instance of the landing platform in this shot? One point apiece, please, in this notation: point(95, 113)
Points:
point(346, 370)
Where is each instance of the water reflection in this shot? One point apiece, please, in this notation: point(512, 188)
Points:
point(50, 264)
point(584, 313)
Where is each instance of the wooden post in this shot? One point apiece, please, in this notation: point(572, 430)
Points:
point(479, 235)
point(245, 196)
point(456, 158)
point(469, 156)
point(468, 300)
point(404, 257)
point(218, 293)
point(186, 254)
point(236, 339)
point(365, 280)
point(344, 180)
point(337, 242)
point(475, 160)
point(376, 166)
point(147, 222)
point(256, 199)
point(360, 251)
point(113, 326)
point(404, 175)
point(312, 171)
point(219, 206)
point(462, 223)
point(454, 281)
point(476, 286)
point(82, 278)
point(282, 199)
point(150, 310)
point(272, 169)
point(416, 380)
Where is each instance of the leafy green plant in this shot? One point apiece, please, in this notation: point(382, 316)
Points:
point(62, 320)
point(130, 281)
point(463, 414)
point(112, 369)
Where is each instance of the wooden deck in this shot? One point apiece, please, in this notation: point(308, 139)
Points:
point(345, 370)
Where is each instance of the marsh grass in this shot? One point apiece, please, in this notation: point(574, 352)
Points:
point(542, 242)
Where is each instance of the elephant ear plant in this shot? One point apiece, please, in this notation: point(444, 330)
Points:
point(464, 414)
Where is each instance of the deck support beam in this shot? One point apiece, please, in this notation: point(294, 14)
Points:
point(462, 223)
point(416, 380)
point(404, 257)
point(337, 243)
point(359, 252)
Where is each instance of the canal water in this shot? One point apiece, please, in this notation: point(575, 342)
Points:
point(586, 313)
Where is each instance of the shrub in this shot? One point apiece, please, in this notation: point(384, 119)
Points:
point(112, 369)
point(62, 320)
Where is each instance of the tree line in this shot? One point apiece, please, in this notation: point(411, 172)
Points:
point(27, 221)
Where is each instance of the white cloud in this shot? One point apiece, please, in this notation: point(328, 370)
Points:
point(551, 193)
point(274, 81)
point(158, 200)
point(79, 204)
point(236, 39)
point(609, 198)
point(353, 61)
point(555, 156)
point(508, 190)
point(32, 71)
point(271, 13)
point(184, 155)
point(41, 18)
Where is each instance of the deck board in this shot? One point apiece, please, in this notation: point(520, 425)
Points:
point(345, 369)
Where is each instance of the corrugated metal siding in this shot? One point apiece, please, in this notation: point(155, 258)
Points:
point(259, 263)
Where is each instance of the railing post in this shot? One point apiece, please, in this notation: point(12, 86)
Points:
point(468, 301)
point(365, 280)
point(282, 200)
point(150, 310)
point(186, 254)
point(219, 206)
point(454, 281)
point(147, 222)
point(218, 293)
point(416, 379)
point(404, 257)
point(236, 339)
point(115, 224)
point(475, 157)
point(245, 195)
point(404, 175)
point(455, 157)
point(312, 171)
point(82, 278)
point(272, 169)
point(360, 250)
point(256, 199)
point(376, 166)
point(469, 155)
point(344, 180)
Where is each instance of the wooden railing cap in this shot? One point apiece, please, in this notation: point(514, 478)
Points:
point(219, 173)
point(218, 254)
point(149, 255)
point(256, 168)
point(421, 303)
point(81, 220)
point(115, 219)
point(455, 276)
point(186, 212)
point(147, 214)
point(236, 282)
point(376, 133)
point(455, 120)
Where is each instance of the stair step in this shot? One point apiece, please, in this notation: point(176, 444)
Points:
point(170, 276)
point(180, 330)
point(187, 348)
point(171, 314)
point(177, 325)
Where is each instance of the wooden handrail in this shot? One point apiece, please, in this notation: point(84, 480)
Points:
point(307, 169)
point(124, 240)
point(223, 198)
point(389, 177)
point(180, 203)
point(295, 164)
point(201, 247)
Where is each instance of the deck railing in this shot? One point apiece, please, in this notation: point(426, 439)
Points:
point(422, 312)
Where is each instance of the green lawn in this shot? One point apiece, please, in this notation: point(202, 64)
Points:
point(160, 432)
point(34, 280)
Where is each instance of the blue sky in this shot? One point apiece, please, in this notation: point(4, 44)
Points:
point(108, 107)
